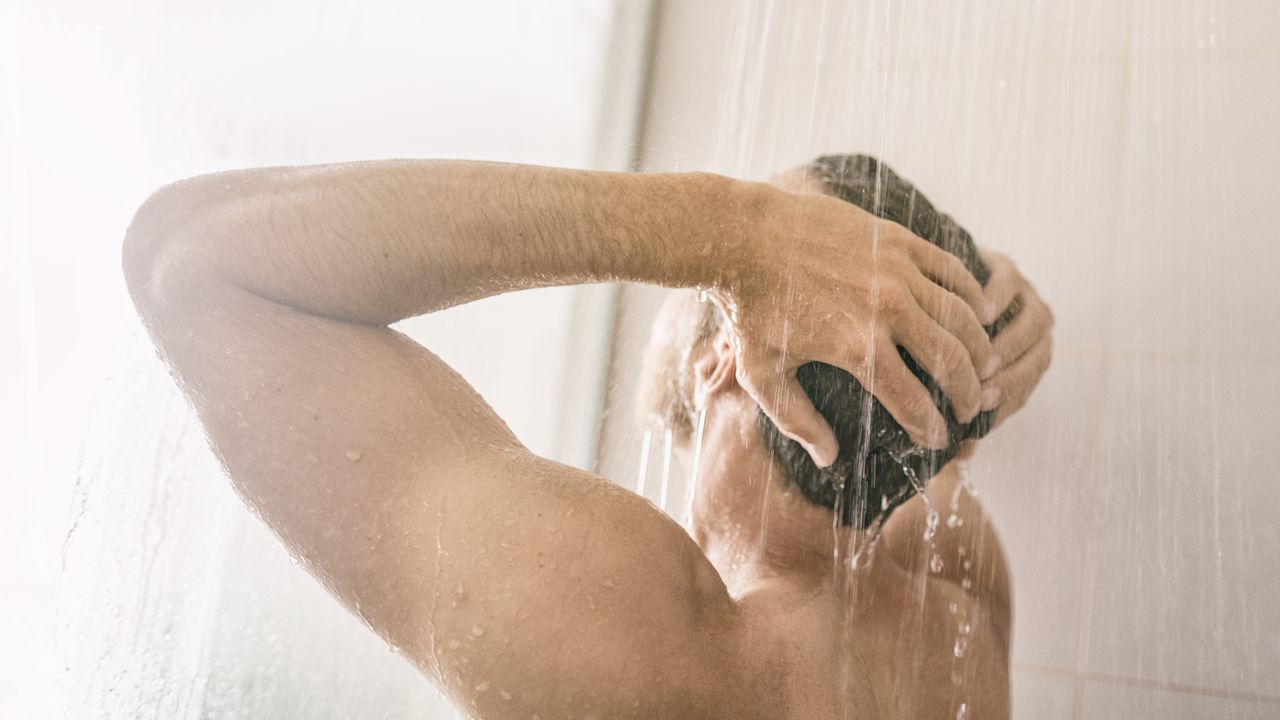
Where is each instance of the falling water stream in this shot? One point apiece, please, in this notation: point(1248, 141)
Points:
point(1090, 141)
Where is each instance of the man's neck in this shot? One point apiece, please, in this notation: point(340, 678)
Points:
point(752, 524)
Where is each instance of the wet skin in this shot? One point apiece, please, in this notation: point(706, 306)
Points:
point(831, 638)
point(521, 587)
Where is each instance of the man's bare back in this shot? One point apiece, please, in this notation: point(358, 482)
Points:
point(905, 642)
point(523, 588)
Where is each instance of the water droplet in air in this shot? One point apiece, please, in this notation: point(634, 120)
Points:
point(953, 608)
point(962, 644)
point(966, 583)
point(963, 712)
point(965, 628)
point(354, 455)
point(935, 563)
point(954, 521)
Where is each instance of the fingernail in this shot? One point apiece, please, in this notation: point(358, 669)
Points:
point(994, 363)
point(990, 397)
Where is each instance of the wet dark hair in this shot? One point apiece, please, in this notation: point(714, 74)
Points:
point(879, 467)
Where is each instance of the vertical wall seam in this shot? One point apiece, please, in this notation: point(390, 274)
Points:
point(617, 297)
point(1084, 627)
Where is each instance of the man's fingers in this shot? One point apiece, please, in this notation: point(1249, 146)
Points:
point(785, 402)
point(904, 396)
point(1016, 381)
point(1024, 331)
point(1004, 284)
point(946, 360)
point(949, 271)
point(955, 315)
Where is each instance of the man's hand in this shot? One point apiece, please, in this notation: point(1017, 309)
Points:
point(826, 281)
point(1025, 345)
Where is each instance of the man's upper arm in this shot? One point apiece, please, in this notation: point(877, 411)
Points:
point(522, 586)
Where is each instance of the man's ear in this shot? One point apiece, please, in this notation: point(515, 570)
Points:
point(714, 370)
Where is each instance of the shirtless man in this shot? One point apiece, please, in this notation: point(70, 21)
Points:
point(527, 589)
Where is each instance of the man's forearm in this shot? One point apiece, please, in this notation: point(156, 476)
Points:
point(380, 241)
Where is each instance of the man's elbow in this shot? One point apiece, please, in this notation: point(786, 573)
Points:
point(156, 240)
point(144, 241)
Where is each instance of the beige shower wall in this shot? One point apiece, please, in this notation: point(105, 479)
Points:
point(1126, 154)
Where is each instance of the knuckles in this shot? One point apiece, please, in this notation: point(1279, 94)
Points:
point(892, 300)
point(955, 359)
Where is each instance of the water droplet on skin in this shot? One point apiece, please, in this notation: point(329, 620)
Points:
point(962, 644)
point(702, 295)
point(953, 608)
point(482, 686)
point(966, 583)
point(477, 630)
point(954, 521)
point(609, 583)
point(454, 644)
point(505, 695)
point(965, 628)
point(354, 455)
point(935, 563)
point(931, 525)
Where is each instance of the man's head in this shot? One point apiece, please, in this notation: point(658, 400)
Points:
point(689, 364)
